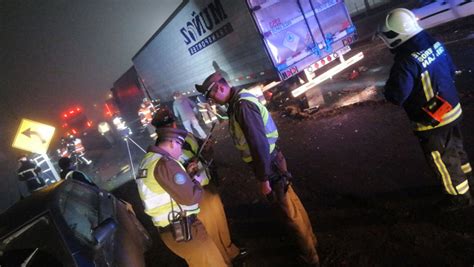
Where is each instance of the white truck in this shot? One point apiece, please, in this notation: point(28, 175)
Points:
point(434, 13)
point(253, 42)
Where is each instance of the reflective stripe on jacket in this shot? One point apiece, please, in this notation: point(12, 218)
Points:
point(422, 69)
point(190, 151)
point(238, 136)
point(156, 201)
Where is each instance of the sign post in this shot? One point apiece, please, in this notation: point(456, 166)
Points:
point(35, 137)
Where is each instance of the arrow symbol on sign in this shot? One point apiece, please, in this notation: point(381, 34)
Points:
point(28, 132)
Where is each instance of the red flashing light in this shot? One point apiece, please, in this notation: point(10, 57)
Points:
point(74, 131)
point(78, 109)
point(108, 112)
point(71, 112)
point(65, 115)
point(89, 124)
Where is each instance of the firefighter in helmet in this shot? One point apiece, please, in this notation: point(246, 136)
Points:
point(422, 82)
point(76, 149)
point(29, 172)
point(145, 112)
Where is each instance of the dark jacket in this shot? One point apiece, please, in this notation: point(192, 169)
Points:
point(250, 120)
point(422, 68)
point(78, 176)
point(28, 169)
point(29, 173)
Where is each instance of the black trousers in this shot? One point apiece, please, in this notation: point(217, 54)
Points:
point(444, 151)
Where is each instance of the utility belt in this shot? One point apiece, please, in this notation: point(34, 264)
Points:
point(180, 226)
point(435, 109)
point(33, 173)
point(168, 228)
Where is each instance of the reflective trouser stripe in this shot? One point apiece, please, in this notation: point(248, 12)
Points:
point(461, 188)
point(448, 185)
point(466, 168)
point(427, 88)
point(32, 170)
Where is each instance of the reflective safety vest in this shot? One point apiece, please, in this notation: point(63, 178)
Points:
point(207, 112)
point(146, 115)
point(271, 131)
point(191, 152)
point(156, 200)
point(78, 147)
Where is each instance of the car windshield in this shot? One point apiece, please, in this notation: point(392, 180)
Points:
point(79, 205)
point(36, 243)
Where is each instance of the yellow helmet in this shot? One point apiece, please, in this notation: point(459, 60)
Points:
point(399, 26)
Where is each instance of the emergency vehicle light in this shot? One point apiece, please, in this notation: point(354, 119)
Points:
point(107, 112)
point(328, 74)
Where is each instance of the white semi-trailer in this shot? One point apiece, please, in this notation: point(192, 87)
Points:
point(250, 42)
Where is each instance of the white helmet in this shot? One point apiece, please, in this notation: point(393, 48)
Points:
point(399, 26)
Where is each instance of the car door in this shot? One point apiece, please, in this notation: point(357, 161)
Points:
point(84, 208)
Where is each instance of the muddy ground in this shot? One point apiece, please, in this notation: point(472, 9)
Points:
point(362, 177)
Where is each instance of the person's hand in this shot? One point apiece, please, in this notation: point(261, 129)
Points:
point(192, 168)
point(265, 188)
point(198, 178)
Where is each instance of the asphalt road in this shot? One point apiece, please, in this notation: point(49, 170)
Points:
point(360, 173)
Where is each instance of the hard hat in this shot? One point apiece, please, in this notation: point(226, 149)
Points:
point(399, 26)
point(208, 83)
point(162, 118)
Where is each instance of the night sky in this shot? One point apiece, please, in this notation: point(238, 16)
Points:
point(59, 53)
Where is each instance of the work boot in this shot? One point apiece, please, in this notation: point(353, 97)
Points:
point(456, 202)
point(240, 258)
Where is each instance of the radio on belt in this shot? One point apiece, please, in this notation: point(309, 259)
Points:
point(436, 108)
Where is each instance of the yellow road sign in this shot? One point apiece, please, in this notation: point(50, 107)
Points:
point(33, 136)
